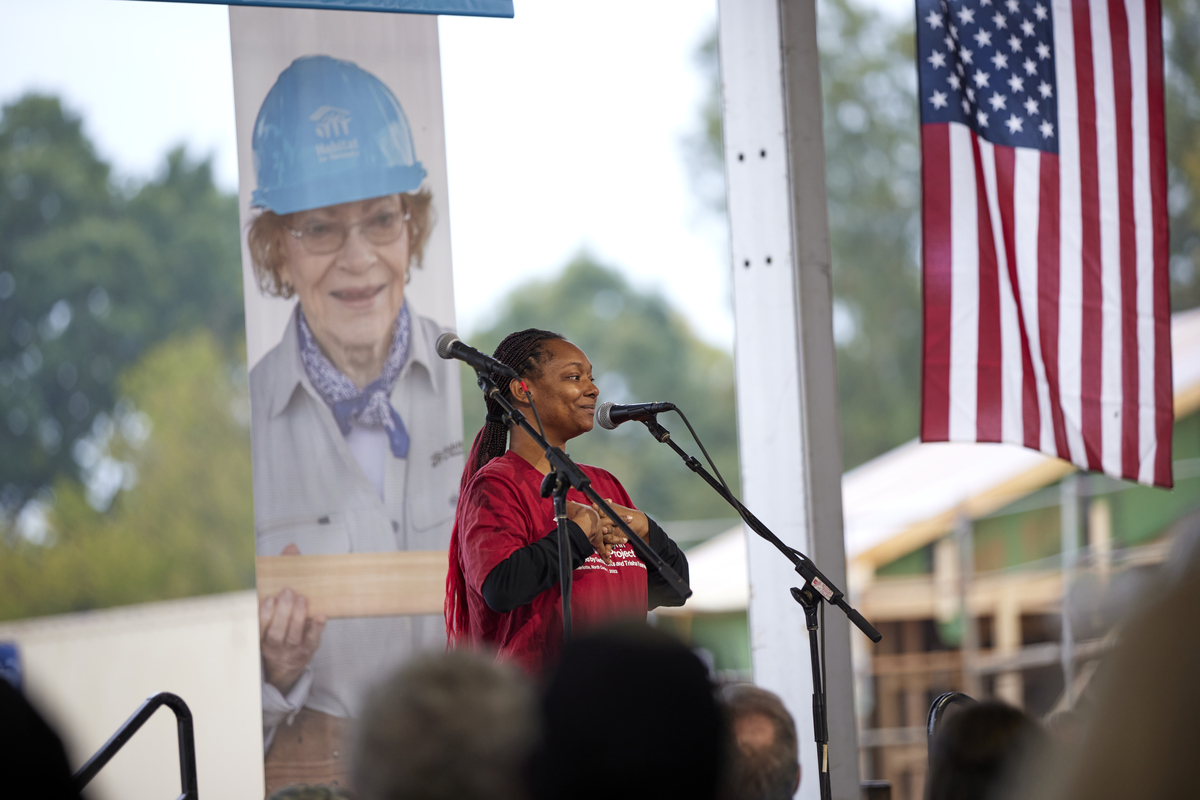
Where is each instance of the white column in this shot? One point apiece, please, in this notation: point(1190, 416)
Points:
point(786, 372)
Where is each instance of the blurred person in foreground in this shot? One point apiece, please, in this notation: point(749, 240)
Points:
point(764, 756)
point(452, 726)
point(33, 761)
point(983, 752)
point(355, 448)
point(629, 713)
point(1142, 732)
point(502, 587)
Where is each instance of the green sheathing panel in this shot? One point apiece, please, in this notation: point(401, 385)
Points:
point(1011, 539)
point(918, 562)
point(726, 636)
point(1139, 515)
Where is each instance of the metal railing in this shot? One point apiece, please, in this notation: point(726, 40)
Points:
point(187, 743)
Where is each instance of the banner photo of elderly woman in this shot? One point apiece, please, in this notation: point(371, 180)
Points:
point(356, 425)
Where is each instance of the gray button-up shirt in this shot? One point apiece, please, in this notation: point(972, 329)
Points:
point(309, 490)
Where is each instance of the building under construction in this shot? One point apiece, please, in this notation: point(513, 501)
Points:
point(989, 569)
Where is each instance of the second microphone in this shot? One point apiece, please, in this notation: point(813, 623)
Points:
point(610, 415)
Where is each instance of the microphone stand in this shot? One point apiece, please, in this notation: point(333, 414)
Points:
point(817, 587)
point(565, 474)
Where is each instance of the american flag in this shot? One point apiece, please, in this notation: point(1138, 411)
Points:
point(1047, 314)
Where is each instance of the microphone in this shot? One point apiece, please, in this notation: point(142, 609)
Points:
point(610, 415)
point(450, 346)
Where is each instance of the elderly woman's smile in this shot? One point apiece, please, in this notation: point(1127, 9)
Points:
point(358, 296)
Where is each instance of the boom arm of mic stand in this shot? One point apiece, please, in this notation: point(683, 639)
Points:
point(561, 462)
point(802, 563)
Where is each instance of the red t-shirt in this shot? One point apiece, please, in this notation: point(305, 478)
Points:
point(501, 511)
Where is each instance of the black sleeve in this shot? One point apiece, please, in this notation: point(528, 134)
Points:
point(658, 591)
point(531, 570)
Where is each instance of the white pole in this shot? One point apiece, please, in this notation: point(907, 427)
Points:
point(788, 423)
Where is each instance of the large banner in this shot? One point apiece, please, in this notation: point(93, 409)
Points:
point(355, 422)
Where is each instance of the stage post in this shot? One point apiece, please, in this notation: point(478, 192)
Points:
point(788, 425)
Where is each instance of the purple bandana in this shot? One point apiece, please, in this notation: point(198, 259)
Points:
point(370, 407)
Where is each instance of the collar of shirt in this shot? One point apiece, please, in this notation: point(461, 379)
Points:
point(421, 354)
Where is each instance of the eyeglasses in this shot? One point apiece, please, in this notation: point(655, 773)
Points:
point(322, 237)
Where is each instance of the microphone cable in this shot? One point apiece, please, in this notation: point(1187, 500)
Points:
point(707, 457)
point(740, 509)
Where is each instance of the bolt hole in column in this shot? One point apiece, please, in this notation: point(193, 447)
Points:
point(768, 259)
point(762, 153)
point(746, 264)
point(741, 156)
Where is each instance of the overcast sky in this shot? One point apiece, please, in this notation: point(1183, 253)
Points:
point(563, 126)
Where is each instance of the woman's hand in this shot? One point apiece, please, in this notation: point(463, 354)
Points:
point(589, 522)
point(287, 635)
point(635, 519)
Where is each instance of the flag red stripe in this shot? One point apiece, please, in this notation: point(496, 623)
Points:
point(936, 283)
point(1118, 25)
point(989, 367)
point(1048, 280)
point(1006, 158)
point(1089, 165)
point(1164, 401)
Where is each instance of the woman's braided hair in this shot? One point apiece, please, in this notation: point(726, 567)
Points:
point(524, 351)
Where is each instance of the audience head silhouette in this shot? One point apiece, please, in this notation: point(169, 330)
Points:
point(980, 751)
point(763, 752)
point(450, 726)
point(629, 713)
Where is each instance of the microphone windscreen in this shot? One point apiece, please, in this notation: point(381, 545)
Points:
point(604, 418)
point(444, 344)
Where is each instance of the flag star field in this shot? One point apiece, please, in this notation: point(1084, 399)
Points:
point(989, 64)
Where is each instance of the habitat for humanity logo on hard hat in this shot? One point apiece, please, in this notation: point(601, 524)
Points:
point(305, 156)
point(333, 123)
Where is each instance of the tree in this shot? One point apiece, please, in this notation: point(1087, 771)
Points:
point(92, 275)
point(184, 527)
point(868, 85)
point(1182, 53)
point(641, 350)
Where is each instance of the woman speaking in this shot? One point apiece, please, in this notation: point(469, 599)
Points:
point(502, 589)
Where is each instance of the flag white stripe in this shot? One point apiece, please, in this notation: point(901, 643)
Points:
point(1142, 208)
point(1111, 393)
point(1027, 198)
point(1011, 429)
point(1070, 242)
point(964, 291)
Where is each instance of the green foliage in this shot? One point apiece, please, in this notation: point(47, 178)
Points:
point(868, 81)
point(873, 161)
point(185, 528)
point(641, 350)
point(90, 277)
point(1182, 51)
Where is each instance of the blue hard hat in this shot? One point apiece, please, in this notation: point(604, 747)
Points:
point(330, 132)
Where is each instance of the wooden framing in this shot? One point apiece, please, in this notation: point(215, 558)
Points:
point(360, 584)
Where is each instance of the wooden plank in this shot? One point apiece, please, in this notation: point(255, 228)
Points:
point(360, 584)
